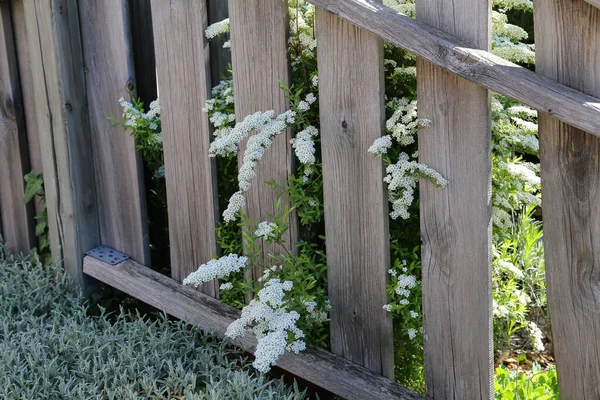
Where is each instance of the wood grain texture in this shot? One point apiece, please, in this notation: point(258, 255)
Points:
point(568, 50)
point(456, 220)
point(356, 209)
point(449, 52)
point(16, 218)
point(220, 58)
point(333, 373)
point(26, 80)
point(118, 166)
point(259, 62)
point(142, 40)
point(595, 3)
point(184, 78)
point(62, 120)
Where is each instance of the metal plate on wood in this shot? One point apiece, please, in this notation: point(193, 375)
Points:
point(107, 255)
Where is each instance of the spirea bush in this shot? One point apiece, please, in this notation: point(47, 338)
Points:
point(51, 348)
point(515, 183)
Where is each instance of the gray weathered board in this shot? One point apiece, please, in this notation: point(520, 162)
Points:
point(260, 62)
point(109, 73)
point(53, 35)
point(567, 36)
point(26, 80)
point(16, 218)
point(322, 368)
point(490, 71)
point(456, 220)
point(184, 80)
point(356, 209)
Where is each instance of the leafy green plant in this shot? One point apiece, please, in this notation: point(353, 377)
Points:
point(516, 385)
point(34, 186)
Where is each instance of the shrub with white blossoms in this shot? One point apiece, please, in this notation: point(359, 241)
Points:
point(282, 313)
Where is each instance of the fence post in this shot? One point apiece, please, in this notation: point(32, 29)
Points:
point(184, 79)
point(259, 60)
point(568, 50)
point(62, 120)
point(456, 220)
point(16, 218)
point(352, 113)
point(109, 74)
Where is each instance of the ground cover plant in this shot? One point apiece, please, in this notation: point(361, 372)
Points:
point(291, 309)
point(51, 347)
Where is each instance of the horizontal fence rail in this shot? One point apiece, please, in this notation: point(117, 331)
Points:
point(446, 51)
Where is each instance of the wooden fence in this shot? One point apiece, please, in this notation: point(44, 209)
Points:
point(65, 63)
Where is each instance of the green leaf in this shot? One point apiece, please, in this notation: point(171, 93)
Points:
point(34, 184)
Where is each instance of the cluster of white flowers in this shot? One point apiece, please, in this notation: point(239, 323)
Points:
point(266, 230)
point(404, 124)
point(217, 29)
point(304, 145)
point(536, 336)
point(274, 326)
point(499, 311)
point(509, 268)
point(217, 268)
point(522, 171)
point(381, 145)
point(402, 179)
point(301, 31)
point(267, 126)
point(226, 286)
point(313, 312)
point(133, 117)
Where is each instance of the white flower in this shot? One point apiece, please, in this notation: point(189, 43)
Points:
point(216, 29)
point(304, 146)
point(315, 80)
point(414, 314)
point(226, 286)
point(236, 203)
point(303, 106)
point(311, 98)
point(521, 171)
point(265, 230)
point(216, 268)
point(381, 145)
point(536, 336)
point(412, 333)
point(387, 307)
point(160, 172)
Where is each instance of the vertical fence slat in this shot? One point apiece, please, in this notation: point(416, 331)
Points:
point(60, 103)
point(356, 220)
point(259, 62)
point(26, 79)
point(220, 58)
point(456, 220)
point(184, 80)
point(119, 175)
point(142, 42)
point(16, 219)
point(568, 50)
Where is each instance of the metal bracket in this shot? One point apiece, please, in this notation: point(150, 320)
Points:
point(107, 255)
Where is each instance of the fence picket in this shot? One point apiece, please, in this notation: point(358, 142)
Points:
point(26, 80)
point(61, 110)
point(110, 75)
point(456, 220)
point(356, 219)
point(16, 219)
point(184, 84)
point(568, 50)
point(259, 62)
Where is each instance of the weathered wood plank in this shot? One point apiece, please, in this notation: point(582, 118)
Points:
point(26, 79)
point(260, 61)
point(448, 52)
point(568, 50)
point(456, 220)
point(595, 3)
point(62, 120)
point(356, 219)
point(220, 58)
point(342, 377)
point(109, 76)
point(16, 218)
point(142, 41)
point(184, 78)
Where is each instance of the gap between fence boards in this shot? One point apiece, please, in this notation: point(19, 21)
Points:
point(318, 366)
